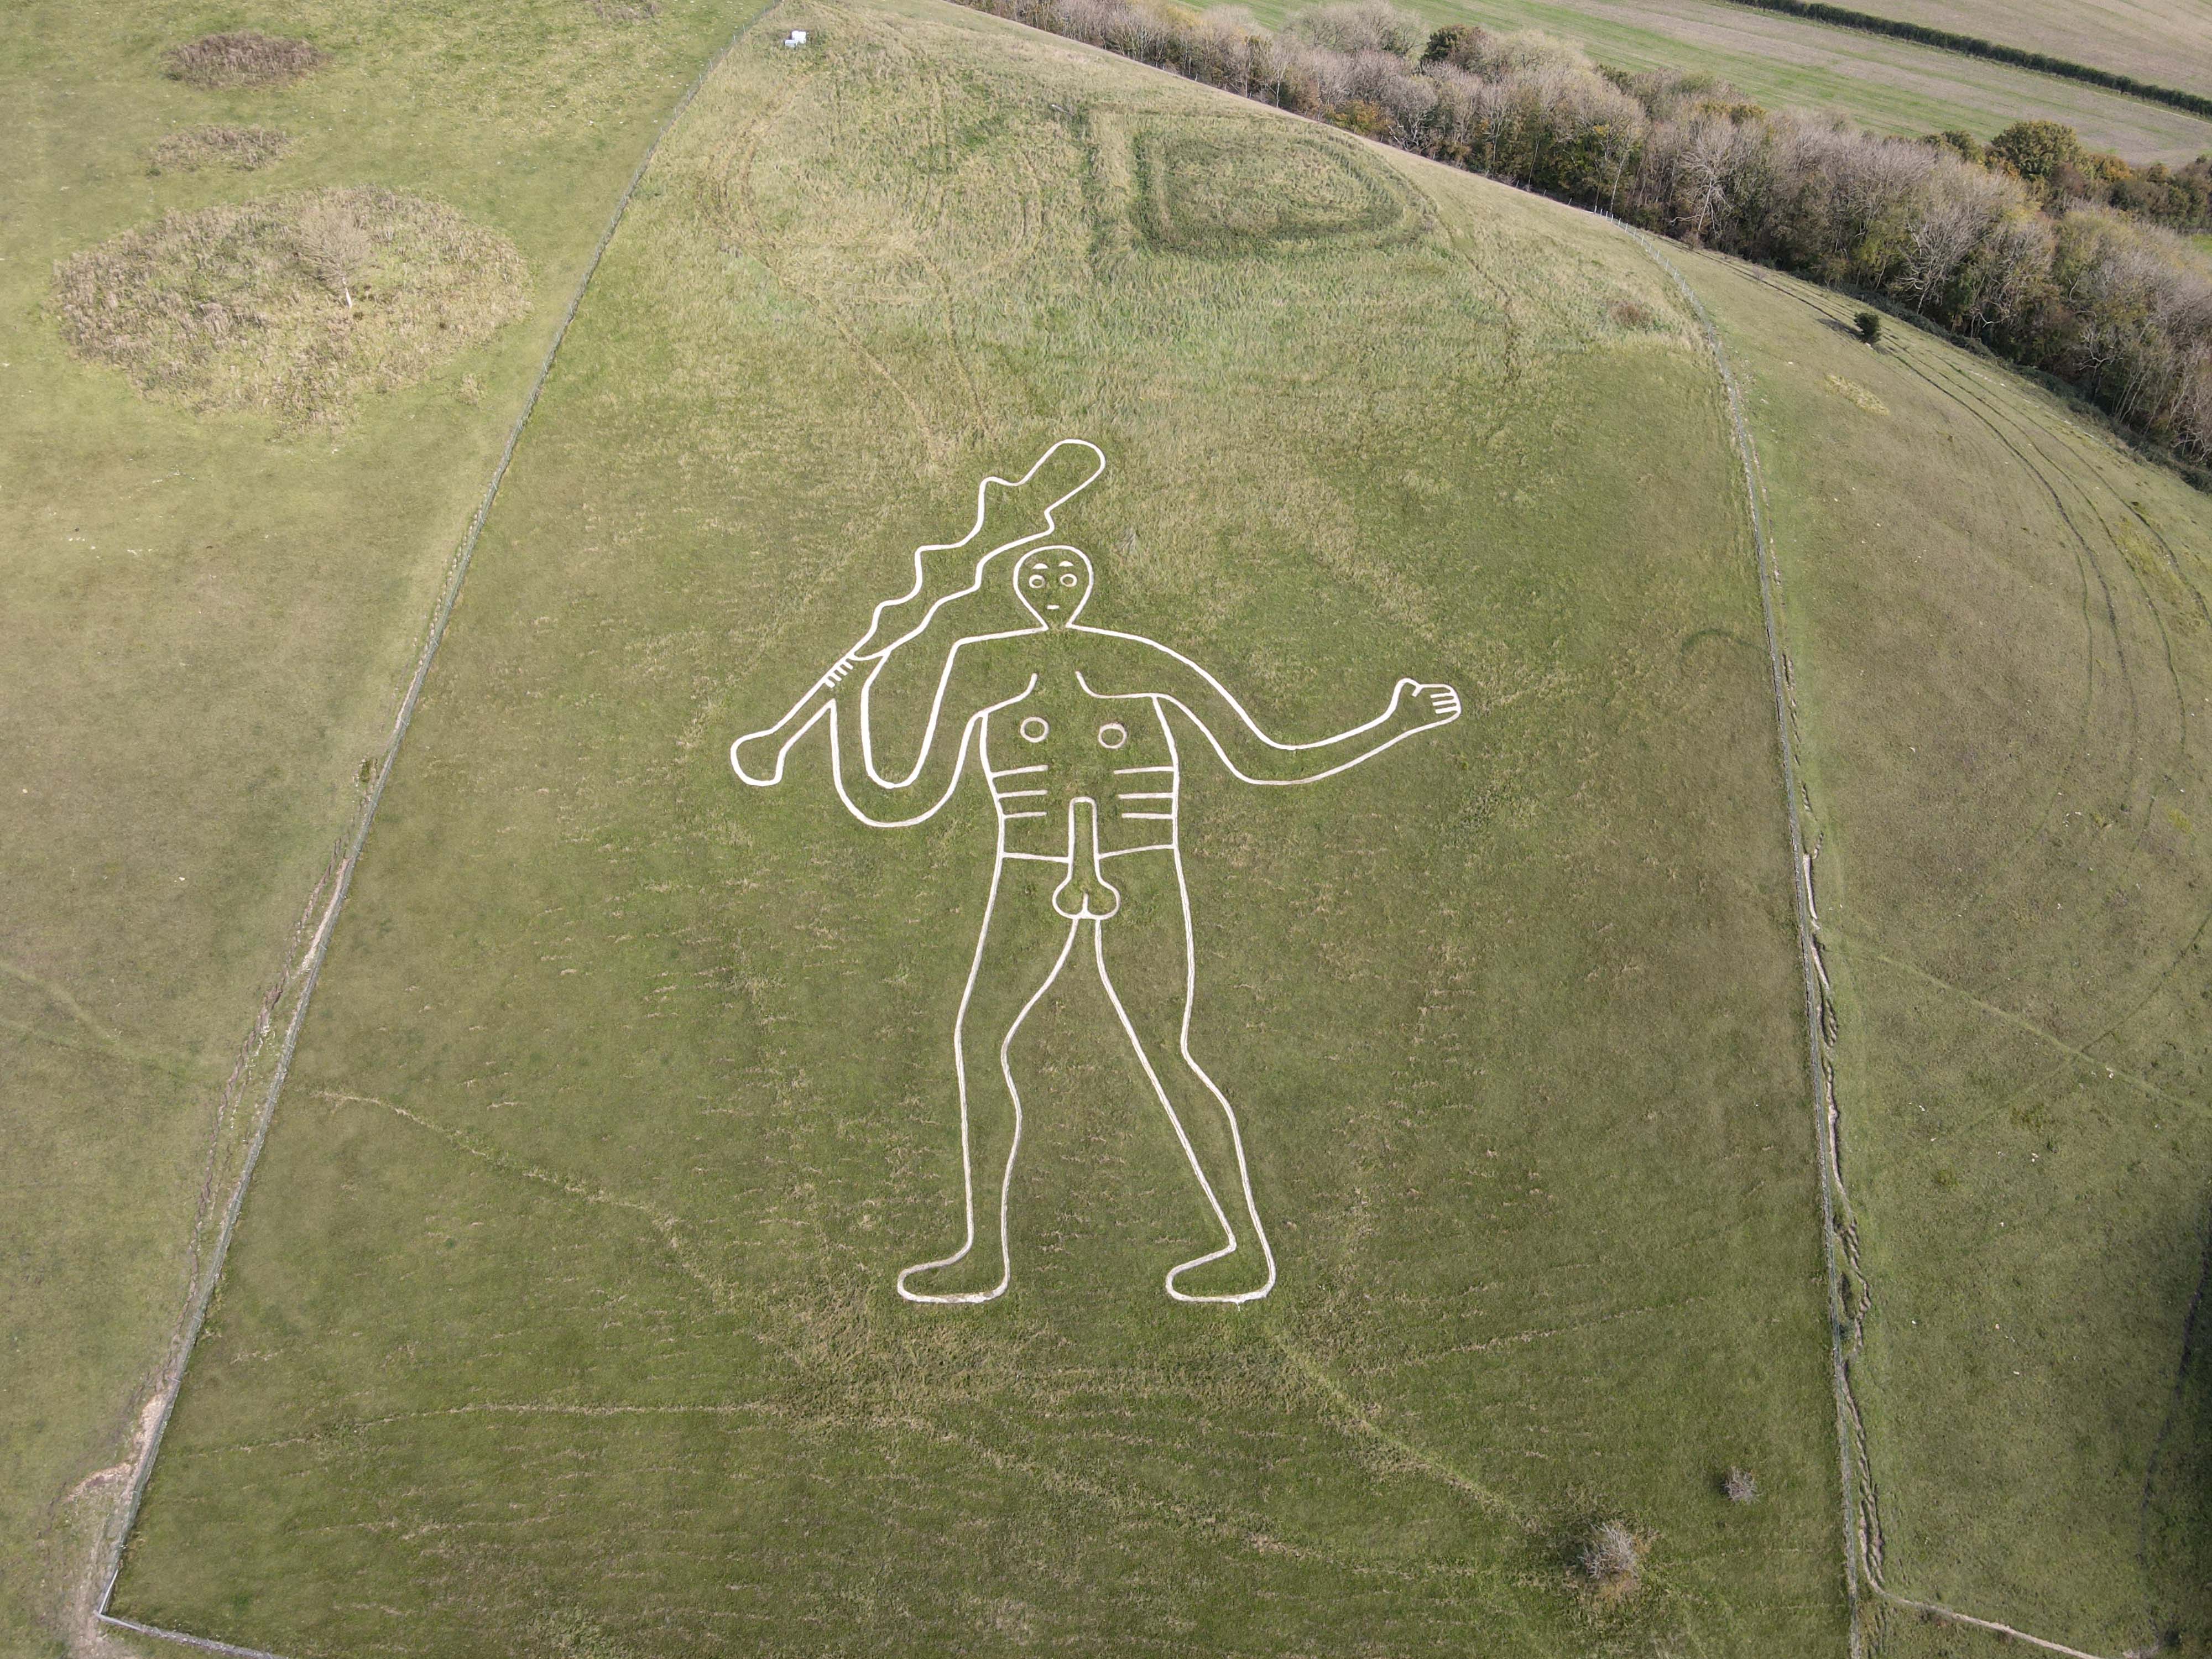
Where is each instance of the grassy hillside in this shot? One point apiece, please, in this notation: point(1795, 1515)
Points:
point(2163, 41)
point(2002, 654)
point(1888, 86)
point(209, 619)
point(561, 1316)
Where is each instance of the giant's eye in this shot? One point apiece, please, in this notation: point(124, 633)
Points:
point(1036, 581)
point(1068, 580)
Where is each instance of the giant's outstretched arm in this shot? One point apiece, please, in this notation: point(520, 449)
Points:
point(1139, 667)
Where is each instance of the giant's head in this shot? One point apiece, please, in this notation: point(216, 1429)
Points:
point(1054, 583)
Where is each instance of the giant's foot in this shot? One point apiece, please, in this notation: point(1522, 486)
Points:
point(1236, 1273)
point(977, 1274)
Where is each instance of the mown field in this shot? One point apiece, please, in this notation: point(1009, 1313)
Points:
point(1886, 85)
point(2167, 42)
point(2002, 660)
point(560, 1318)
point(209, 619)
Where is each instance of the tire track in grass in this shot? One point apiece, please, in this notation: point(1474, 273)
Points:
point(108, 1563)
point(2031, 428)
point(2081, 745)
point(1986, 409)
point(2005, 427)
point(2087, 455)
point(2028, 427)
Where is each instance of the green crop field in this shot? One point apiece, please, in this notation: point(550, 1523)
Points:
point(560, 1318)
point(1887, 85)
point(2165, 42)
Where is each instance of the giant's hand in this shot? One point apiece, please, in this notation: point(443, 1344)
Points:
point(1415, 706)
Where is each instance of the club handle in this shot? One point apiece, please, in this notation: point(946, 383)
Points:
point(758, 757)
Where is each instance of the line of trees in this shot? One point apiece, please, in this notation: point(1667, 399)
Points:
point(1985, 241)
point(1974, 47)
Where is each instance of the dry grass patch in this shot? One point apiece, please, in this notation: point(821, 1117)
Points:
point(1611, 1564)
point(245, 57)
point(293, 304)
point(241, 148)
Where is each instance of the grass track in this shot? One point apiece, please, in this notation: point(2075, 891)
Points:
point(1888, 86)
point(621, 1101)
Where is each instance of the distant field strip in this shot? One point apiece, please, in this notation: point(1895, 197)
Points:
point(2167, 41)
point(1973, 47)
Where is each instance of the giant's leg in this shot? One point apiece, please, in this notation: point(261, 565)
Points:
point(1145, 963)
point(1023, 947)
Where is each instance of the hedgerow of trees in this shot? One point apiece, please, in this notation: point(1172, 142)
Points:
point(2037, 250)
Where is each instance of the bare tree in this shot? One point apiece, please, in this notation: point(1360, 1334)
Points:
point(334, 245)
point(1959, 205)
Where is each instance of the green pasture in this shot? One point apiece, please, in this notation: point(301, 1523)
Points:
point(1783, 63)
point(2165, 42)
point(208, 621)
point(561, 1316)
point(2003, 662)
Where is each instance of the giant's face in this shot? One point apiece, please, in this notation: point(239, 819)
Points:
point(1054, 583)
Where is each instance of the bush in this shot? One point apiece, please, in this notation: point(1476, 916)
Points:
point(245, 59)
point(333, 243)
point(2037, 149)
point(1612, 1561)
point(1868, 324)
point(241, 148)
point(1741, 1486)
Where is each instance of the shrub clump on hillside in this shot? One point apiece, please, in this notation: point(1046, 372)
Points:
point(242, 149)
point(247, 58)
point(293, 305)
point(1610, 1562)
